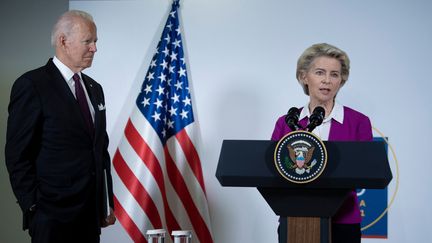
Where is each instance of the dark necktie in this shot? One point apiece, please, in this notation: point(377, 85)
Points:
point(82, 101)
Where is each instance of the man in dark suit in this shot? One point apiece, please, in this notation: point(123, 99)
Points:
point(56, 148)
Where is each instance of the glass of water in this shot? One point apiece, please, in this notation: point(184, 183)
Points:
point(156, 236)
point(182, 236)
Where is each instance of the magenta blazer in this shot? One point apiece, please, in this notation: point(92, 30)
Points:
point(355, 127)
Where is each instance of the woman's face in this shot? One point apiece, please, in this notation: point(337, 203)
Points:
point(323, 79)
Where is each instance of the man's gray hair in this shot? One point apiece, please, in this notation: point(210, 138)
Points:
point(65, 24)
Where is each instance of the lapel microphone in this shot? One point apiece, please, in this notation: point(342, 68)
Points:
point(316, 118)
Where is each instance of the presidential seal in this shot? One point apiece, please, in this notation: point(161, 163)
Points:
point(300, 157)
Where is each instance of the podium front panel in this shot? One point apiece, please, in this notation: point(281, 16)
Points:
point(250, 163)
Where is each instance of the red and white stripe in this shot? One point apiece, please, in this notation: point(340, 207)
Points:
point(158, 186)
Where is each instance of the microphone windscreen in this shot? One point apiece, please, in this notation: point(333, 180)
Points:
point(293, 111)
point(319, 111)
point(291, 119)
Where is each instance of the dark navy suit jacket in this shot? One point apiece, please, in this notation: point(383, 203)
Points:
point(52, 159)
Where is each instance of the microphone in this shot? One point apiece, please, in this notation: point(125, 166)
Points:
point(292, 117)
point(316, 118)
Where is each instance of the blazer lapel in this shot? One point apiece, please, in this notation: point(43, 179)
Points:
point(338, 131)
point(59, 84)
point(63, 91)
point(93, 95)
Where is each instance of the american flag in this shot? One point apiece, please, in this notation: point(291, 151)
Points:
point(158, 180)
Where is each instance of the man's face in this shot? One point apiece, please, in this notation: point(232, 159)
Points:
point(79, 46)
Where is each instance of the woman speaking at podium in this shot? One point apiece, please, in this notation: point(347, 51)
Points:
point(322, 70)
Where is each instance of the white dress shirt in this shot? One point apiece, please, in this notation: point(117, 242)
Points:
point(323, 130)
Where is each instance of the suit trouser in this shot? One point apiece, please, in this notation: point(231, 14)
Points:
point(83, 229)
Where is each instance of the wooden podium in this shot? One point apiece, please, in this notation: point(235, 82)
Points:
point(305, 209)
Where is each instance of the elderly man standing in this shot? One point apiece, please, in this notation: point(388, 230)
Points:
point(56, 148)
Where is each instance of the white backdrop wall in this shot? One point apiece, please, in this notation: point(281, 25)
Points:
point(242, 56)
